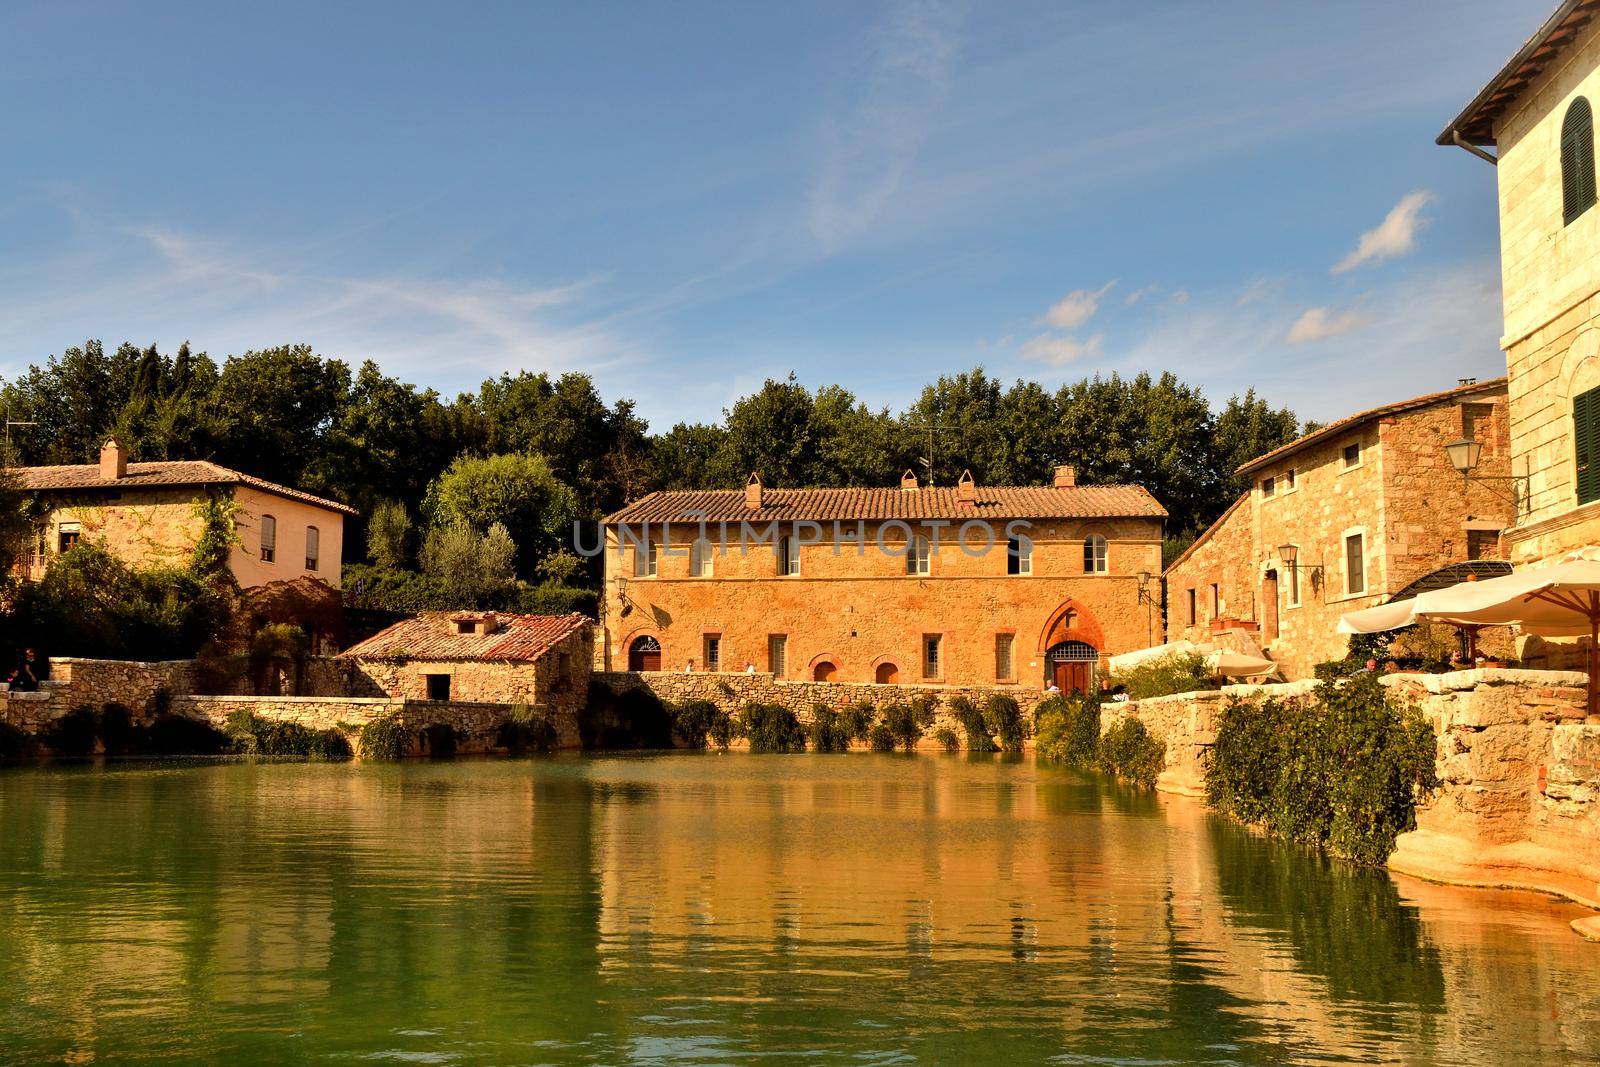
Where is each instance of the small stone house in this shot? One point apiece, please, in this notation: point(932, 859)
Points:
point(483, 657)
point(1535, 121)
point(965, 584)
point(147, 514)
point(1347, 517)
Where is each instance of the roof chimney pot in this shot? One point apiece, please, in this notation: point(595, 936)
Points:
point(1066, 477)
point(908, 480)
point(966, 489)
point(113, 460)
point(752, 491)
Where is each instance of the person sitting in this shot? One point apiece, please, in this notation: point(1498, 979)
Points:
point(25, 679)
point(1119, 694)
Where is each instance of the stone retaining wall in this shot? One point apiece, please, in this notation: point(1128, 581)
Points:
point(477, 725)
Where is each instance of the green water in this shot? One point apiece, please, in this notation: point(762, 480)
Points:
point(730, 909)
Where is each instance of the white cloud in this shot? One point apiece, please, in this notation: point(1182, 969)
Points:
point(1179, 298)
point(1059, 351)
point(1393, 237)
point(1139, 294)
point(1076, 308)
point(867, 152)
point(1319, 324)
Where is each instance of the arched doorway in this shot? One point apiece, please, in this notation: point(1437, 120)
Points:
point(644, 654)
point(824, 671)
point(1071, 666)
point(886, 674)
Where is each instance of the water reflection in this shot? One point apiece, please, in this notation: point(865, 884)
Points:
point(704, 908)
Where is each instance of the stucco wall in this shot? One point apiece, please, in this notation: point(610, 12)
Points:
point(294, 517)
point(859, 610)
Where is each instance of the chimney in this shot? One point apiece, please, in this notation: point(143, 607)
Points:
point(908, 480)
point(113, 460)
point(752, 491)
point(1066, 477)
point(966, 489)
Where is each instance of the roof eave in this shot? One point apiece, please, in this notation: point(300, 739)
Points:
point(1464, 123)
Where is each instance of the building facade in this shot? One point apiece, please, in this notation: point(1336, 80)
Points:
point(1344, 518)
point(962, 585)
point(1538, 113)
point(485, 657)
point(148, 514)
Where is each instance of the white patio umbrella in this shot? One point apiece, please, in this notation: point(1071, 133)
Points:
point(1559, 600)
point(1239, 665)
point(1402, 613)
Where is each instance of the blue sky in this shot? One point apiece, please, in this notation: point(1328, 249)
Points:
point(684, 199)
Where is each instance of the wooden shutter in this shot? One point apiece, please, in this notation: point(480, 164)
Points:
point(1577, 160)
point(1586, 443)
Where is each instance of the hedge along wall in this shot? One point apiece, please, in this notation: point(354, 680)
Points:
point(732, 691)
point(477, 726)
point(1519, 762)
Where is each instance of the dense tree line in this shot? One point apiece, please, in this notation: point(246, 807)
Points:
point(528, 452)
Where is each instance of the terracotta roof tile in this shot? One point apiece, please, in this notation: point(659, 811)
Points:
point(995, 502)
point(430, 635)
point(1333, 429)
point(166, 473)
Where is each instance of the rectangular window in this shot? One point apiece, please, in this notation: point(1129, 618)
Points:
point(1019, 555)
point(1355, 564)
point(1288, 478)
point(646, 559)
point(438, 686)
point(1193, 617)
point(931, 648)
point(1352, 455)
point(788, 555)
point(712, 657)
point(700, 558)
point(1216, 601)
point(1483, 544)
point(777, 654)
point(1586, 443)
point(67, 536)
point(1268, 487)
point(917, 556)
point(1003, 669)
point(465, 626)
point(269, 539)
point(313, 547)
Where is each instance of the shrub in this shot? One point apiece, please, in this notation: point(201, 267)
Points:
point(971, 720)
point(881, 738)
point(907, 721)
point(634, 718)
point(828, 731)
point(947, 739)
point(1132, 753)
point(73, 734)
point(723, 730)
point(254, 735)
point(856, 719)
point(440, 739)
point(526, 729)
point(771, 728)
point(693, 721)
point(1067, 729)
point(1343, 771)
point(384, 738)
point(1176, 673)
point(1002, 719)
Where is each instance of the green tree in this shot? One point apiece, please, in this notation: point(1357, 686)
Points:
point(275, 411)
point(388, 531)
point(519, 491)
point(1248, 428)
point(477, 568)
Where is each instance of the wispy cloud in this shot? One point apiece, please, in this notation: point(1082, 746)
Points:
point(1059, 351)
point(1319, 324)
point(1394, 236)
point(1077, 307)
point(867, 151)
point(1139, 294)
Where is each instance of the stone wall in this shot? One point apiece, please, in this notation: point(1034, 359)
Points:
point(730, 692)
point(1519, 762)
point(477, 725)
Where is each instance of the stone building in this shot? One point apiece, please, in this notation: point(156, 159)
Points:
point(482, 657)
point(147, 513)
point(1343, 518)
point(957, 585)
point(1537, 112)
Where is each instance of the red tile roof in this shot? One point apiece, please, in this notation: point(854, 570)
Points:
point(431, 635)
point(1333, 429)
point(1475, 124)
point(163, 474)
point(993, 502)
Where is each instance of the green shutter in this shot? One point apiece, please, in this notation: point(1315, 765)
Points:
point(1586, 443)
point(1577, 160)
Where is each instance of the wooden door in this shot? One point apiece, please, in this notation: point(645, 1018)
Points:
point(1269, 605)
point(1072, 676)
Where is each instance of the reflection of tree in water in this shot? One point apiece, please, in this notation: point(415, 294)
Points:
point(1345, 924)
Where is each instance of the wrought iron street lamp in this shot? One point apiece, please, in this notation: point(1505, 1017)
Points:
point(1466, 454)
point(1149, 600)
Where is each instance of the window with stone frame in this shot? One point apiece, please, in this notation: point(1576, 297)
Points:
point(1586, 444)
point(1269, 486)
point(1288, 479)
point(1355, 564)
point(313, 548)
point(646, 558)
point(711, 652)
point(269, 539)
point(918, 556)
point(778, 654)
point(1216, 601)
point(932, 655)
point(1192, 605)
point(1577, 161)
point(1004, 665)
point(1094, 554)
point(788, 555)
point(700, 558)
point(1352, 455)
point(1019, 555)
point(1475, 419)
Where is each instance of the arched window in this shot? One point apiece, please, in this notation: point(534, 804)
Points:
point(917, 556)
point(700, 558)
point(644, 654)
point(313, 548)
point(269, 539)
point(824, 671)
point(1577, 160)
point(886, 674)
point(1094, 554)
